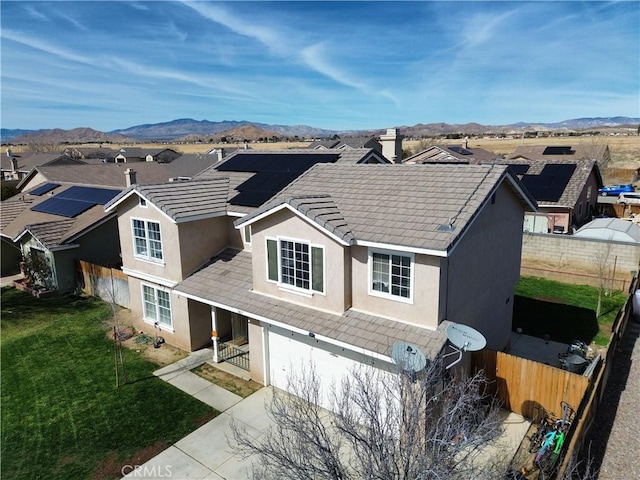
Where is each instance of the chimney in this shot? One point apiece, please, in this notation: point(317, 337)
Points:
point(14, 164)
point(130, 174)
point(392, 145)
point(466, 142)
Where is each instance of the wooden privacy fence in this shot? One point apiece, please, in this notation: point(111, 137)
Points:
point(586, 413)
point(109, 284)
point(522, 384)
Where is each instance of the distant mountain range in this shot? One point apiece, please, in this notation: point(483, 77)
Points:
point(189, 130)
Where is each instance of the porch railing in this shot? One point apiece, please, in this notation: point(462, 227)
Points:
point(234, 355)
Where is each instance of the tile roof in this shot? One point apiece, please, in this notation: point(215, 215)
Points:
point(104, 174)
point(181, 200)
point(50, 234)
point(576, 183)
point(227, 281)
point(27, 161)
point(404, 205)
point(577, 152)
point(191, 164)
point(451, 154)
point(16, 216)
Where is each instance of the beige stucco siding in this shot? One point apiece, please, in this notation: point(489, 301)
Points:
point(200, 240)
point(287, 225)
point(36, 180)
point(483, 270)
point(170, 266)
point(423, 309)
point(181, 335)
point(256, 353)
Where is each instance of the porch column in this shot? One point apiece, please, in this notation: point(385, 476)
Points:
point(214, 334)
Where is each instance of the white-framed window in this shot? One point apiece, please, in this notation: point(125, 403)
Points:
point(142, 202)
point(391, 274)
point(296, 264)
point(147, 241)
point(157, 306)
point(247, 234)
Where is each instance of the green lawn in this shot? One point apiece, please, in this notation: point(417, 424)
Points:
point(62, 415)
point(564, 312)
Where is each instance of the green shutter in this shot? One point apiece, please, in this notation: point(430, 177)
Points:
point(317, 269)
point(272, 259)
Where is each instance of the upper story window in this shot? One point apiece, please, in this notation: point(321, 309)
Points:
point(296, 264)
point(391, 274)
point(142, 202)
point(147, 240)
point(157, 306)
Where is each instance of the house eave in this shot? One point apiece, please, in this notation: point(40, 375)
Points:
point(285, 326)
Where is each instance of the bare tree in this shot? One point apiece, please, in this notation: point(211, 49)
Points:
point(600, 261)
point(379, 425)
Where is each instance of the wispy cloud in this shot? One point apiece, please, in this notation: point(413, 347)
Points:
point(46, 47)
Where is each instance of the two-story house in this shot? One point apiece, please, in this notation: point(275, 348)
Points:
point(170, 230)
point(337, 267)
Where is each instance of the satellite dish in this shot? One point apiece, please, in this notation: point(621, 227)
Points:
point(465, 338)
point(408, 357)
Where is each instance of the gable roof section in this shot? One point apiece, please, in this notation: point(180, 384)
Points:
point(353, 156)
point(452, 154)
point(49, 234)
point(27, 161)
point(185, 201)
point(17, 217)
point(227, 282)
point(103, 174)
point(191, 164)
point(572, 187)
point(569, 153)
point(409, 206)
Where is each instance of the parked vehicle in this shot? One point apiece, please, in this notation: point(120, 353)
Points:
point(617, 189)
point(629, 198)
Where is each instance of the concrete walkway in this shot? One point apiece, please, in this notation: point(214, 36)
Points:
point(206, 453)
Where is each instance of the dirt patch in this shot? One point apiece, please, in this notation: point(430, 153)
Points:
point(143, 341)
point(112, 468)
point(229, 382)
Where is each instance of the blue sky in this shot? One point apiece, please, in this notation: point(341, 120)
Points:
point(334, 65)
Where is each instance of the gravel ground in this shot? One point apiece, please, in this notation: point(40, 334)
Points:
point(615, 435)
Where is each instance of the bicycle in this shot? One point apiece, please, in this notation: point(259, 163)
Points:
point(544, 426)
point(553, 441)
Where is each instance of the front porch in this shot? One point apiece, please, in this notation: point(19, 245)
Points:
point(230, 336)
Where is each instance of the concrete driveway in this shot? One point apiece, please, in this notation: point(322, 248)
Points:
point(207, 453)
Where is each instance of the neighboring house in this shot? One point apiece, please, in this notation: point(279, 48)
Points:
point(61, 223)
point(169, 230)
point(581, 151)
point(565, 185)
point(453, 154)
point(103, 174)
point(189, 165)
point(344, 261)
point(16, 166)
point(131, 154)
point(59, 229)
point(388, 145)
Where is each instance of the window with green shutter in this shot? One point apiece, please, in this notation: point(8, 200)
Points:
point(272, 259)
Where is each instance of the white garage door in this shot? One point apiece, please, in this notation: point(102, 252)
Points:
point(291, 352)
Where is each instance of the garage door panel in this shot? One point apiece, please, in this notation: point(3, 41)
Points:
point(292, 354)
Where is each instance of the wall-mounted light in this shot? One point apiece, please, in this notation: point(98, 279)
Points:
point(312, 335)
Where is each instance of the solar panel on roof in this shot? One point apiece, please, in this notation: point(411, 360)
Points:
point(42, 189)
point(550, 184)
point(557, 150)
point(519, 168)
point(89, 194)
point(272, 171)
point(62, 206)
point(460, 149)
